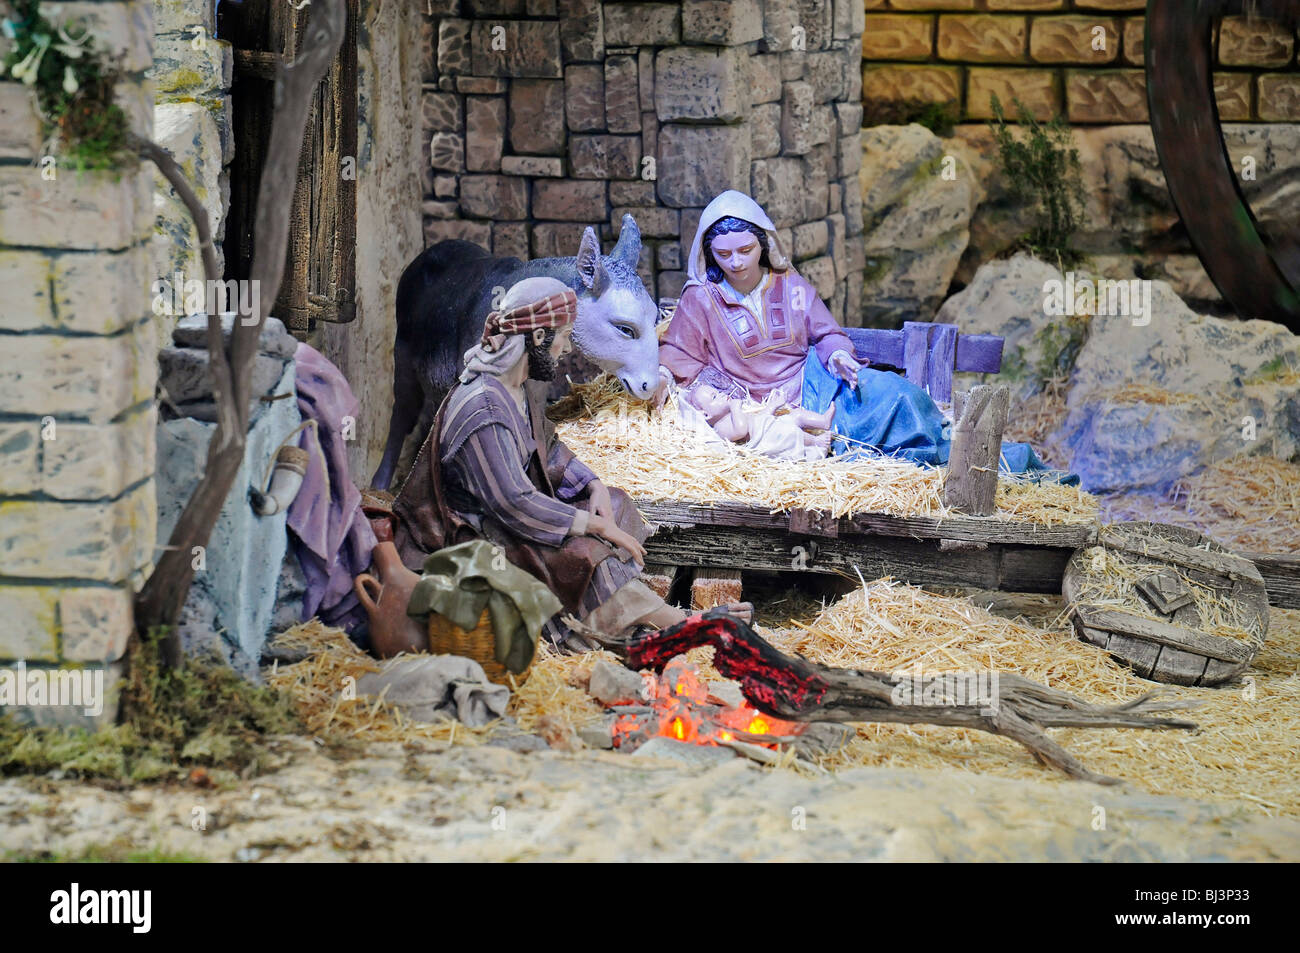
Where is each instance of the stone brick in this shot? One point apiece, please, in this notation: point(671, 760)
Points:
point(492, 8)
point(84, 378)
point(90, 211)
point(19, 443)
point(181, 16)
point(582, 30)
point(765, 123)
point(510, 240)
point(428, 50)
point(95, 623)
point(668, 256)
point(123, 32)
point(701, 83)
point(1073, 39)
point(498, 197)
point(1134, 40)
point(837, 193)
point(721, 22)
point(697, 162)
point(780, 19)
point(853, 207)
point(569, 200)
point(542, 8)
point(793, 65)
point(649, 134)
point(105, 541)
point(631, 193)
point(622, 95)
point(445, 186)
point(605, 157)
point(447, 152)
point(557, 239)
point(439, 208)
point(1036, 88)
point(584, 98)
point(898, 37)
point(1110, 4)
point(424, 171)
point(523, 48)
point(31, 624)
point(1232, 96)
point(981, 39)
point(98, 461)
point(1004, 5)
point(930, 84)
point(93, 292)
point(179, 70)
point(1106, 96)
point(815, 184)
point(480, 85)
point(20, 125)
point(810, 240)
point(485, 132)
point(1279, 97)
point(543, 166)
point(850, 18)
point(1257, 43)
point(849, 117)
point(690, 225)
point(777, 185)
point(645, 77)
point(441, 8)
point(820, 273)
point(815, 17)
point(797, 131)
point(765, 78)
point(453, 47)
point(537, 116)
point(850, 149)
point(670, 284)
point(436, 230)
point(826, 74)
point(931, 5)
point(642, 24)
point(441, 112)
point(653, 221)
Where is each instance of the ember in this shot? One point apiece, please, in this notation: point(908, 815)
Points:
point(680, 706)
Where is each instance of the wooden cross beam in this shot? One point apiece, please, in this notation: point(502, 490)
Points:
point(928, 353)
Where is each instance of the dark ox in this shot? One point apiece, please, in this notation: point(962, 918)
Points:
point(447, 292)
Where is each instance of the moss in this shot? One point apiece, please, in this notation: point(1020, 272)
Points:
point(1279, 368)
point(115, 852)
point(1060, 344)
point(875, 269)
point(939, 118)
point(172, 721)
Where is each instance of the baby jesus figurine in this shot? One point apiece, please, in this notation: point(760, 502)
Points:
point(779, 430)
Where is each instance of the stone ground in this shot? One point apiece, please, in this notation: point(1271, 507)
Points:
point(397, 803)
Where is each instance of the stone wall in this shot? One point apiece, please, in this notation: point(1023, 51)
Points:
point(1080, 58)
point(544, 117)
point(77, 415)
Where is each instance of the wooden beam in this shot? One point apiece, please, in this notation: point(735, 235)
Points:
point(1165, 633)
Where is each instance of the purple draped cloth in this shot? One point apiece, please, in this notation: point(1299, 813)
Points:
point(329, 534)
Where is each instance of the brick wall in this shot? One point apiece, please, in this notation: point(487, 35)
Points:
point(545, 116)
point(1082, 58)
point(77, 377)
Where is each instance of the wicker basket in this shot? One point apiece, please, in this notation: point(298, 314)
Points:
point(479, 644)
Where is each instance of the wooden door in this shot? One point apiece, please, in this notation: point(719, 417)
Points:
point(320, 273)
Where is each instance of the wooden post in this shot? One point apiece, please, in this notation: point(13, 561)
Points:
point(972, 483)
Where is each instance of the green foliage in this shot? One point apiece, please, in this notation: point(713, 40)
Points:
point(119, 851)
point(1061, 342)
point(172, 720)
point(939, 118)
point(1042, 170)
point(74, 87)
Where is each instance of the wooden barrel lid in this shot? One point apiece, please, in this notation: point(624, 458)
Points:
point(1155, 627)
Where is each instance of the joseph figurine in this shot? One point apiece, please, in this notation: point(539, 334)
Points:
point(493, 468)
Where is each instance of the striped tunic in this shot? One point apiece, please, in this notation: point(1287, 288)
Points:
point(485, 446)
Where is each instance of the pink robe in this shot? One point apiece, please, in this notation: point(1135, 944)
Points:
point(763, 354)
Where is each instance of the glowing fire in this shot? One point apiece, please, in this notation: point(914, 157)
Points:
point(682, 708)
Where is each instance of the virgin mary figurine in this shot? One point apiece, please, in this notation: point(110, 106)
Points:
point(751, 326)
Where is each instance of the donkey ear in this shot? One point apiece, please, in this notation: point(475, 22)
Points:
point(591, 272)
point(628, 249)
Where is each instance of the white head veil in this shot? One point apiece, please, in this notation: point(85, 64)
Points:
point(738, 205)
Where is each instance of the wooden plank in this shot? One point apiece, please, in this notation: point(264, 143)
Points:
point(877, 345)
point(813, 523)
point(1164, 633)
point(1178, 667)
point(1281, 574)
point(978, 353)
point(943, 351)
point(674, 513)
point(1225, 565)
point(1138, 654)
point(916, 351)
point(971, 485)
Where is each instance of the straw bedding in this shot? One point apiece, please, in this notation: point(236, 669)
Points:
point(653, 458)
point(1246, 750)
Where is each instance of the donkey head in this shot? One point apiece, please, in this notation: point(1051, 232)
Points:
point(615, 326)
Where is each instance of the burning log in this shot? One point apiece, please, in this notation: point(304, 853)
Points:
point(796, 690)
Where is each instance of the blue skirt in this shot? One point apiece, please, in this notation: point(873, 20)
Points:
point(892, 416)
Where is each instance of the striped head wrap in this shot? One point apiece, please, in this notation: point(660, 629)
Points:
point(554, 311)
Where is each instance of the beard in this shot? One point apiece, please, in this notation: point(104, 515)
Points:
point(541, 365)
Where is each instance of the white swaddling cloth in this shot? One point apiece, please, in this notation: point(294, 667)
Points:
point(777, 437)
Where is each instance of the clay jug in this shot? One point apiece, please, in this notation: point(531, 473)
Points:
point(385, 600)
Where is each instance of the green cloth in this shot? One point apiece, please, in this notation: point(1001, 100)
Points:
point(460, 581)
